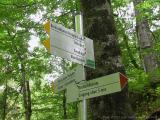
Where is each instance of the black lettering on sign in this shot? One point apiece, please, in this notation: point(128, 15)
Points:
point(77, 58)
point(79, 52)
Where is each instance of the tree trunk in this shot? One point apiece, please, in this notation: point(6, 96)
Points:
point(5, 101)
point(29, 100)
point(5, 94)
point(99, 26)
point(146, 44)
point(26, 95)
point(64, 106)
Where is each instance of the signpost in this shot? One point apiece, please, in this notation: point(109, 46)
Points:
point(77, 48)
point(70, 45)
point(96, 87)
point(76, 76)
point(82, 104)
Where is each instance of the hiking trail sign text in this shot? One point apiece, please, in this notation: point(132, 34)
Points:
point(96, 87)
point(70, 45)
point(76, 75)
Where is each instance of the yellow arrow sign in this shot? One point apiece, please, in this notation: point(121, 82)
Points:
point(47, 27)
point(46, 42)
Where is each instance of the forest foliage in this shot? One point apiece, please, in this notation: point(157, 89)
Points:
point(21, 36)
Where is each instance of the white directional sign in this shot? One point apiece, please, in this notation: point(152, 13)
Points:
point(70, 45)
point(97, 87)
point(76, 75)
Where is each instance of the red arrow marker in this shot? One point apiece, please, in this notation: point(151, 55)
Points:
point(123, 80)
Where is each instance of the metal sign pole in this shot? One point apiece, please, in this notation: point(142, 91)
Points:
point(83, 103)
point(84, 109)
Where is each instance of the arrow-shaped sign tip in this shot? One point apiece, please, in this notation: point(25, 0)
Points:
point(47, 27)
point(47, 44)
point(123, 80)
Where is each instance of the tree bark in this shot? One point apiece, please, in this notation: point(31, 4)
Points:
point(146, 44)
point(5, 94)
point(5, 101)
point(99, 26)
point(26, 95)
point(64, 106)
point(29, 100)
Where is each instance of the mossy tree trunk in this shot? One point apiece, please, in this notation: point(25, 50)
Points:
point(146, 44)
point(99, 26)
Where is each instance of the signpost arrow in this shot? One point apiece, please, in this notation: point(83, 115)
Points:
point(70, 45)
point(96, 87)
point(46, 42)
point(76, 76)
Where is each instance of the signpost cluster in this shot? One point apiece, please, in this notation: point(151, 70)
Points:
point(77, 48)
point(70, 45)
